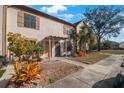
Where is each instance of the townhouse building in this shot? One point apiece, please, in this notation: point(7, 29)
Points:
point(52, 32)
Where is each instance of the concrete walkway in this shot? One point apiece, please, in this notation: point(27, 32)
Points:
point(6, 76)
point(100, 74)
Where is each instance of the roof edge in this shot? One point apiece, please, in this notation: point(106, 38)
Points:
point(29, 9)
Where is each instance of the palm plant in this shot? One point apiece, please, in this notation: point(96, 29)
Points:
point(87, 37)
point(75, 37)
point(34, 49)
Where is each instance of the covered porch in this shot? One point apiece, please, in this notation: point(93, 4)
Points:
point(56, 46)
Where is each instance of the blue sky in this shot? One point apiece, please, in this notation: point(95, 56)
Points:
point(71, 13)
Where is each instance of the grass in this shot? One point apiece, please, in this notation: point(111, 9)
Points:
point(113, 51)
point(91, 58)
point(1, 72)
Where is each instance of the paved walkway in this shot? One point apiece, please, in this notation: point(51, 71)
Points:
point(100, 74)
point(6, 76)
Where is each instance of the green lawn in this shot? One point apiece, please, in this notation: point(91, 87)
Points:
point(1, 72)
point(91, 58)
point(113, 51)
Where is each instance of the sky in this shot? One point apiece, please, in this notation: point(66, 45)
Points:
point(72, 14)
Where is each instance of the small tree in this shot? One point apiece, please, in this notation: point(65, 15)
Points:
point(21, 46)
point(86, 36)
point(17, 44)
point(106, 44)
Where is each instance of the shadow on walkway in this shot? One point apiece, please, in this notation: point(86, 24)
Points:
point(4, 83)
point(107, 83)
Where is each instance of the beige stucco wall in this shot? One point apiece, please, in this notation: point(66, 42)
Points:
point(1, 13)
point(47, 27)
point(78, 26)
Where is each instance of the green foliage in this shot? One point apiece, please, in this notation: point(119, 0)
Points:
point(34, 48)
point(104, 21)
point(75, 37)
point(21, 46)
point(86, 35)
point(107, 44)
point(17, 44)
point(38, 48)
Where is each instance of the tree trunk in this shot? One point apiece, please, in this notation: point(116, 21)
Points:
point(80, 45)
point(99, 44)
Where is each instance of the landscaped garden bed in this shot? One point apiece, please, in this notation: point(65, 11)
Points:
point(90, 58)
point(50, 72)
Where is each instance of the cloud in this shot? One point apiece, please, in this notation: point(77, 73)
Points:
point(71, 5)
point(121, 14)
point(54, 9)
point(67, 17)
point(44, 8)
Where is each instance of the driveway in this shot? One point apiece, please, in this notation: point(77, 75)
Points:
point(101, 74)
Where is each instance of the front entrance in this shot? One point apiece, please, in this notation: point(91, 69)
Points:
point(57, 49)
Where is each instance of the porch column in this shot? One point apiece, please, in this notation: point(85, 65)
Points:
point(66, 47)
point(49, 48)
point(53, 48)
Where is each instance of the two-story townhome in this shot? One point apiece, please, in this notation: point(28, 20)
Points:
point(52, 32)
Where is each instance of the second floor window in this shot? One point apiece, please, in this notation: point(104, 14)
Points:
point(29, 21)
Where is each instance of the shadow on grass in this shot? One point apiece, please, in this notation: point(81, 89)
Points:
point(107, 83)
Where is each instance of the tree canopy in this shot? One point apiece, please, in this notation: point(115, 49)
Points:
point(104, 21)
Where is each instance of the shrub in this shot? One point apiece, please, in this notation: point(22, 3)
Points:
point(17, 44)
point(25, 73)
point(23, 48)
point(82, 53)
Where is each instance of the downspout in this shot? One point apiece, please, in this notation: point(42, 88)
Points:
point(4, 50)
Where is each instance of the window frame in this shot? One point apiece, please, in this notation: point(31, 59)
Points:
point(30, 21)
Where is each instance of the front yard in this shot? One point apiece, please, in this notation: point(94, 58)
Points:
point(50, 73)
point(91, 58)
point(53, 71)
point(113, 51)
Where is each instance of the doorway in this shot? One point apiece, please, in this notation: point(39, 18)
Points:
point(57, 49)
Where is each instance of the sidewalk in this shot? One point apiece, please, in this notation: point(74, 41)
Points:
point(100, 74)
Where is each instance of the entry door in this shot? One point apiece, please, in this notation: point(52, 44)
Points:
point(57, 49)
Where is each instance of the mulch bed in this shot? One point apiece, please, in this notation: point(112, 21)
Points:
point(53, 71)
